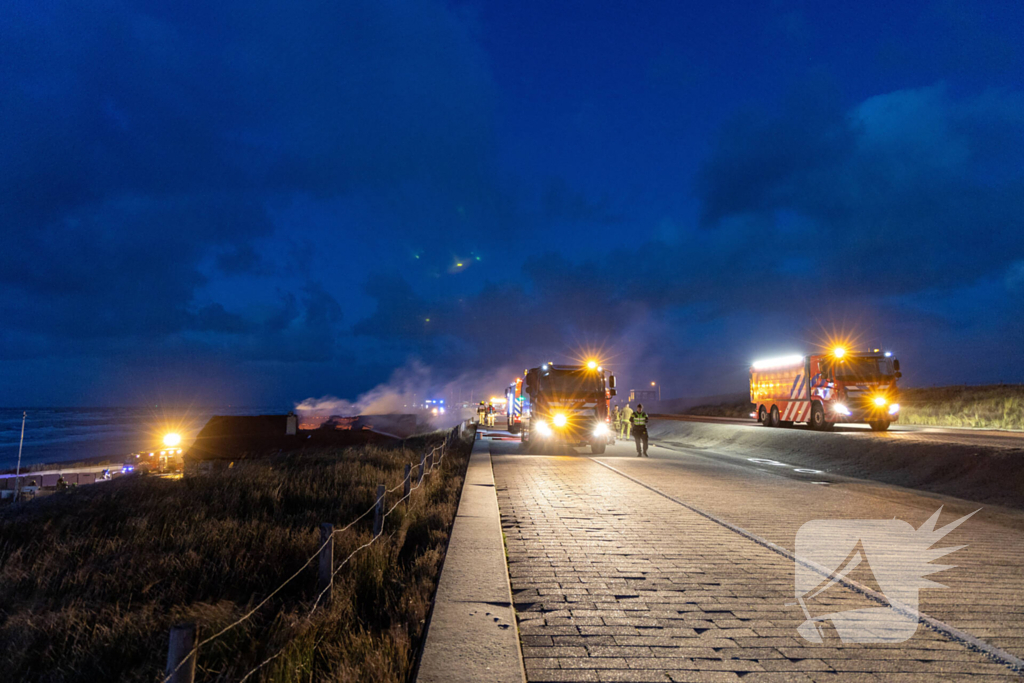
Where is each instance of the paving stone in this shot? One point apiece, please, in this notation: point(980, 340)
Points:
point(613, 582)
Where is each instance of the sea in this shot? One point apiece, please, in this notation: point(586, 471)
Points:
point(57, 435)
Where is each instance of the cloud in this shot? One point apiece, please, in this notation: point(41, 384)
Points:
point(816, 215)
point(891, 196)
point(146, 149)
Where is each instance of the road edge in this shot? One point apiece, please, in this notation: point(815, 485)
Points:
point(472, 634)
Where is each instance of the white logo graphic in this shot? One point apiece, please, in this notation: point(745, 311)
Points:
point(896, 554)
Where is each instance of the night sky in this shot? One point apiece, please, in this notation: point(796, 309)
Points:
point(246, 202)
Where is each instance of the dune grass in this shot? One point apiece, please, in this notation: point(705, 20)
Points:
point(92, 580)
point(992, 406)
point(731, 409)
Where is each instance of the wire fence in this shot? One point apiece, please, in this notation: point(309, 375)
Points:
point(181, 661)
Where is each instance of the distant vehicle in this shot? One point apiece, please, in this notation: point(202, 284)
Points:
point(823, 389)
point(127, 468)
point(567, 404)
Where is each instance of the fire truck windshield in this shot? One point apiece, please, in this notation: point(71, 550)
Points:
point(863, 368)
point(572, 382)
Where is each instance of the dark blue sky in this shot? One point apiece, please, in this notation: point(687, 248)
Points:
point(253, 203)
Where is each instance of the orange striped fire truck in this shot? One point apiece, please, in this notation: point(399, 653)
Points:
point(823, 389)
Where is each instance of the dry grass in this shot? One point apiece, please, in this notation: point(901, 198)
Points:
point(92, 580)
point(733, 409)
point(993, 406)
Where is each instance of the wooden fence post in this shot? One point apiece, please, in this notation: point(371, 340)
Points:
point(407, 489)
point(325, 576)
point(179, 649)
point(378, 515)
point(430, 461)
point(423, 467)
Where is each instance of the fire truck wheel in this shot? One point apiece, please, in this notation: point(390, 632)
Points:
point(879, 425)
point(773, 419)
point(817, 417)
point(597, 447)
point(762, 416)
point(513, 428)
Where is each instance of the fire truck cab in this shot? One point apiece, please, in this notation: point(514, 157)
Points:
point(823, 389)
point(566, 404)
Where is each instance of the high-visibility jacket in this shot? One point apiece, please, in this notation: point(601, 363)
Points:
point(638, 419)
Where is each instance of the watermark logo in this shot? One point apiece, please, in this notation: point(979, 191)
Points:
point(896, 555)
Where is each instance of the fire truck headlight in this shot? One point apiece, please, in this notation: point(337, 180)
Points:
point(880, 401)
point(592, 364)
point(894, 408)
point(601, 429)
point(541, 427)
point(560, 420)
point(839, 352)
point(840, 409)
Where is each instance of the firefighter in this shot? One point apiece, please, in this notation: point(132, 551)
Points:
point(617, 420)
point(639, 422)
point(481, 414)
point(627, 413)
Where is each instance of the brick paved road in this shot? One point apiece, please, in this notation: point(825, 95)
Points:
point(613, 582)
point(985, 589)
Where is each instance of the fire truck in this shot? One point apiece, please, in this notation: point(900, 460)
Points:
point(566, 404)
point(514, 405)
point(823, 389)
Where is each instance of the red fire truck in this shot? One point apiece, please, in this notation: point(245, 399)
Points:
point(566, 404)
point(823, 389)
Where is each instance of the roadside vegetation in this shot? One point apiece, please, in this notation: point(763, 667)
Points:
point(993, 406)
point(732, 409)
point(92, 580)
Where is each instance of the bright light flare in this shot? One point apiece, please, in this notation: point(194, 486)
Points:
point(880, 401)
point(172, 439)
point(592, 364)
point(601, 430)
point(781, 361)
point(840, 409)
point(839, 352)
point(560, 420)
